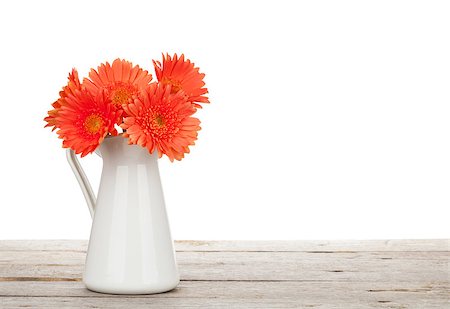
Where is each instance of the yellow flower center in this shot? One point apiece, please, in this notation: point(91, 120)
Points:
point(93, 123)
point(120, 96)
point(175, 85)
point(159, 121)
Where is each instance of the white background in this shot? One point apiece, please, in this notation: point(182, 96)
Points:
point(328, 119)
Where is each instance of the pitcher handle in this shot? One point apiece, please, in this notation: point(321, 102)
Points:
point(82, 180)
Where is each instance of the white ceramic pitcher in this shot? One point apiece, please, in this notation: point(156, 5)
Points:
point(130, 247)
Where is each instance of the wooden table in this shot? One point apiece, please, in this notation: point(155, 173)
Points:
point(243, 274)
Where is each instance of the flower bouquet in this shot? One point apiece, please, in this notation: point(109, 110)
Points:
point(157, 115)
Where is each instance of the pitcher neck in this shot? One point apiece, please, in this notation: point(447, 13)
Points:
point(117, 148)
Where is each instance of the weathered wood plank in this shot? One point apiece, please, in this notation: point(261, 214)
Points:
point(285, 266)
point(78, 257)
point(281, 245)
point(272, 294)
point(240, 294)
point(212, 302)
point(243, 289)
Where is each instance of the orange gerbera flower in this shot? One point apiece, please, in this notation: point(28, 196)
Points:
point(72, 85)
point(160, 120)
point(121, 81)
point(182, 75)
point(84, 121)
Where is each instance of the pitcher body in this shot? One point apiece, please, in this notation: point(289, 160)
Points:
point(130, 247)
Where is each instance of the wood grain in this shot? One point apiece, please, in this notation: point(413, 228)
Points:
point(234, 274)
